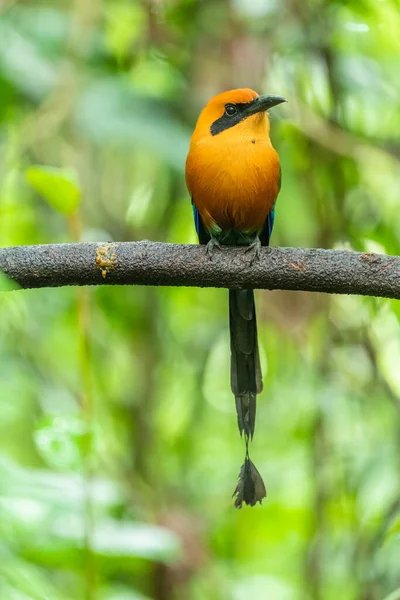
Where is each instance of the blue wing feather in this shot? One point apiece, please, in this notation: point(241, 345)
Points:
point(202, 234)
point(196, 219)
point(270, 222)
point(267, 229)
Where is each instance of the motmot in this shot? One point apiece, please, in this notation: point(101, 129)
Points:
point(233, 175)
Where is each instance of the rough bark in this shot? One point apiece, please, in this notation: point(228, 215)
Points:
point(153, 263)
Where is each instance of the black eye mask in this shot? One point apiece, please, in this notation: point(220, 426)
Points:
point(244, 110)
point(226, 121)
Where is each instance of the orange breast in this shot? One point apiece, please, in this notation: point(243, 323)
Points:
point(233, 185)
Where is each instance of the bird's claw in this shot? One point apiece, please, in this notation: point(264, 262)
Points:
point(212, 244)
point(255, 248)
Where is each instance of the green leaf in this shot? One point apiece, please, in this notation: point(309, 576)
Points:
point(60, 187)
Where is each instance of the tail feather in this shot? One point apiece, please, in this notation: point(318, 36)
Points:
point(246, 378)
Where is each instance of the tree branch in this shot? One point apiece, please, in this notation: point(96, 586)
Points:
point(153, 263)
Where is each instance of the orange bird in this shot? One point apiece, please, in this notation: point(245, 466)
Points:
point(233, 176)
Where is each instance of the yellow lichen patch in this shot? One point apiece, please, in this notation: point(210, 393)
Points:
point(106, 258)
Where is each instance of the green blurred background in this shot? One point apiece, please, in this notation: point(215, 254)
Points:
point(119, 448)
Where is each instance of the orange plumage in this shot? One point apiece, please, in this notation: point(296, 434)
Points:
point(233, 176)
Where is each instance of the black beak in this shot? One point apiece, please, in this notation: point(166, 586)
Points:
point(263, 103)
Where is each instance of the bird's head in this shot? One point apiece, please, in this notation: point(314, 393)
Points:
point(239, 111)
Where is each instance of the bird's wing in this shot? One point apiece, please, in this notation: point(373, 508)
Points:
point(269, 222)
point(203, 236)
point(267, 229)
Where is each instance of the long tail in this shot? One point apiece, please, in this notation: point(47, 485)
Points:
point(246, 378)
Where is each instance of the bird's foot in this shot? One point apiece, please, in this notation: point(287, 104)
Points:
point(212, 244)
point(255, 249)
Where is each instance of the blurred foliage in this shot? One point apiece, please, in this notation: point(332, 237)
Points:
point(119, 447)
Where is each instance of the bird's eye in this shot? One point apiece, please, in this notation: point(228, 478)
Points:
point(230, 110)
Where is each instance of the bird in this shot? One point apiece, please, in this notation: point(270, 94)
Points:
point(233, 176)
